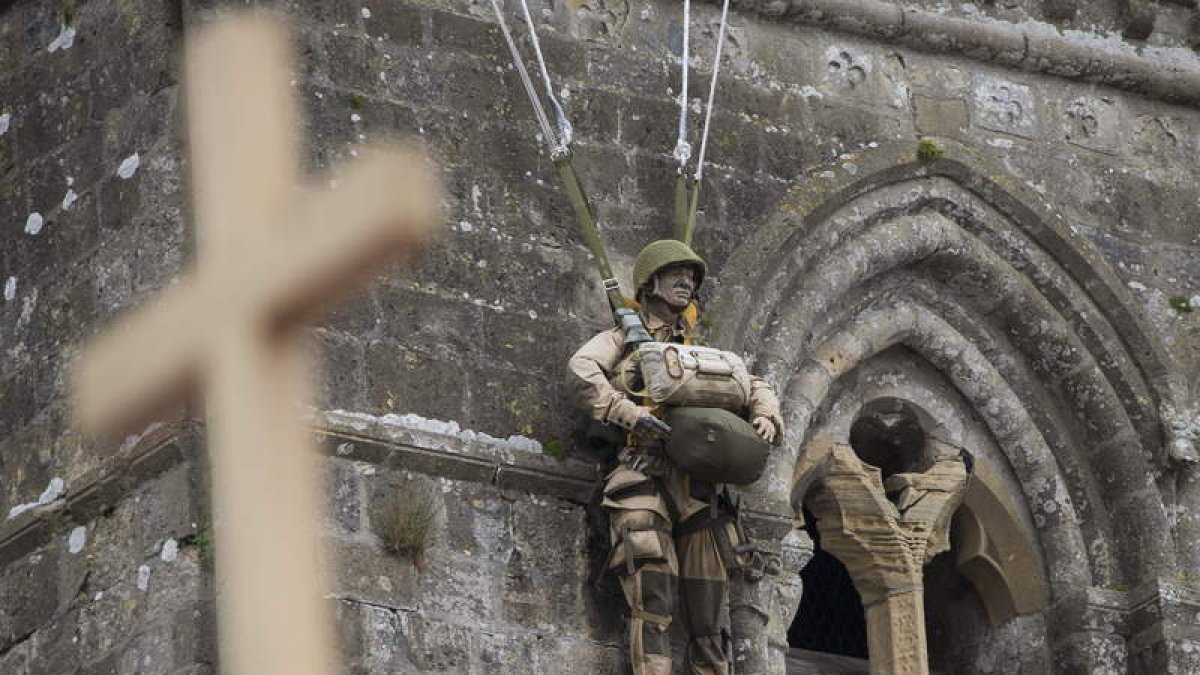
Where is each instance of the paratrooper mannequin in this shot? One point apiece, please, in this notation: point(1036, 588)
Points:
point(672, 535)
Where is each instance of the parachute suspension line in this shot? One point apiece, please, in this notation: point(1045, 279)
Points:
point(565, 131)
point(689, 223)
point(538, 110)
point(712, 90)
point(683, 149)
point(560, 153)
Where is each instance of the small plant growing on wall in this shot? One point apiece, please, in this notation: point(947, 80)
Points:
point(927, 150)
point(408, 524)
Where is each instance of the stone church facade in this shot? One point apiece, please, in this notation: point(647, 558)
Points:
point(941, 232)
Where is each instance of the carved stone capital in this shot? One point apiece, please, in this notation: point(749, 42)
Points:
point(885, 533)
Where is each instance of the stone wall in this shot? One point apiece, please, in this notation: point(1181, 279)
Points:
point(820, 103)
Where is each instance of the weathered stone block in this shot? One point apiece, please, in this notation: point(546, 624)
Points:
point(343, 496)
point(341, 15)
point(544, 582)
point(940, 117)
point(1000, 105)
point(431, 388)
point(1093, 123)
point(437, 645)
point(343, 364)
point(469, 34)
point(366, 573)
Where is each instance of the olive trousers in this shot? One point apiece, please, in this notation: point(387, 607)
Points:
point(670, 543)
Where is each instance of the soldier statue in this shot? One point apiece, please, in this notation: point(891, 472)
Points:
point(672, 532)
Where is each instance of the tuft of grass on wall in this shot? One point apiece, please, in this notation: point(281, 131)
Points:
point(408, 526)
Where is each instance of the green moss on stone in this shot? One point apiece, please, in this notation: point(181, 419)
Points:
point(927, 150)
point(556, 448)
point(1180, 304)
point(202, 539)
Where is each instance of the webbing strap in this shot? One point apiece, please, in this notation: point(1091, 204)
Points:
point(658, 619)
point(645, 489)
point(701, 520)
point(672, 507)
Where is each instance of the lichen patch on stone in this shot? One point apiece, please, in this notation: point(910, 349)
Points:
point(77, 539)
point(53, 491)
point(129, 166)
point(65, 39)
point(33, 224)
point(10, 289)
point(170, 550)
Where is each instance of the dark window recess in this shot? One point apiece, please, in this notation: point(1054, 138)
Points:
point(831, 617)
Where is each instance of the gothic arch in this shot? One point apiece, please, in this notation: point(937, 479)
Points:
point(986, 283)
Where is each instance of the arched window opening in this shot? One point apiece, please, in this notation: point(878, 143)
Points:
point(831, 617)
point(888, 434)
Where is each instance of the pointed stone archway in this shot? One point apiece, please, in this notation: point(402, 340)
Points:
point(973, 280)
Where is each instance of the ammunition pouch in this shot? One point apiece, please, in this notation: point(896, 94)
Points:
point(689, 375)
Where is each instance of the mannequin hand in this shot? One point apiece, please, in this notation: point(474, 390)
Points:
point(765, 428)
point(649, 425)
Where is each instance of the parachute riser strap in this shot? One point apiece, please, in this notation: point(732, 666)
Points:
point(690, 224)
point(687, 192)
point(623, 316)
point(584, 214)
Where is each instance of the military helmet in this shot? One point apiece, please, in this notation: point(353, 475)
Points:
point(661, 253)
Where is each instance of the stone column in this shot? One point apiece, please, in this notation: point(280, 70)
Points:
point(761, 607)
point(884, 534)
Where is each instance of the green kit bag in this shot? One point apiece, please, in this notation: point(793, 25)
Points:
point(715, 445)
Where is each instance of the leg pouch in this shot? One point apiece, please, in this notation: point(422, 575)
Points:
point(640, 547)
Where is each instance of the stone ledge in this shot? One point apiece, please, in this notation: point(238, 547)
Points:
point(443, 449)
point(1032, 47)
point(510, 464)
point(140, 459)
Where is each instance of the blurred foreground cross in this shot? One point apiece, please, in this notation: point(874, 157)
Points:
point(232, 332)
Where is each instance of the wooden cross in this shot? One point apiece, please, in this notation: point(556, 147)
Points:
point(233, 331)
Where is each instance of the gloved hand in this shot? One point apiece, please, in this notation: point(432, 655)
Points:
point(765, 428)
point(648, 425)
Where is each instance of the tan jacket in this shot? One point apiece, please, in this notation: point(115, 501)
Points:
point(594, 379)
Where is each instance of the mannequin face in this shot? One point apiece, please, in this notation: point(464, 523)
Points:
point(675, 285)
